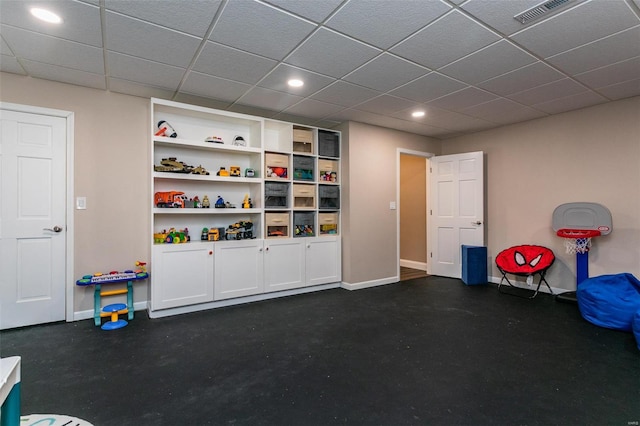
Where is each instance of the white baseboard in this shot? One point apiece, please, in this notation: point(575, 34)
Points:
point(367, 284)
point(413, 264)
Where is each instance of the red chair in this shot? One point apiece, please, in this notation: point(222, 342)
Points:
point(525, 261)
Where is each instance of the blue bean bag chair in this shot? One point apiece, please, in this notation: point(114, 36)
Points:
point(636, 327)
point(610, 301)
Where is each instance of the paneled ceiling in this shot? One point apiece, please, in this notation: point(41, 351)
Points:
point(469, 65)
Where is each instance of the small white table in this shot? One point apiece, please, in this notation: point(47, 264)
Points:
point(10, 391)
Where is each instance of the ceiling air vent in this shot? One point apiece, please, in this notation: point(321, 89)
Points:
point(540, 10)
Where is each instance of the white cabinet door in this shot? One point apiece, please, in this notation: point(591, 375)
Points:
point(322, 260)
point(284, 264)
point(239, 268)
point(182, 274)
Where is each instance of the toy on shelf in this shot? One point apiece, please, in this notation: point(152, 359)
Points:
point(277, 172)
point(220, 203)
point(165, 129)
point(247, 204)
point(214, 139)
point(234, 171)
point(242, 230)
point(98, 280)
point(199, 171)
point(249, 172)
point(304, 231)
point(239, 141)
point(172, 165)
point(205, 202)
point(172, 236)
point(170, 199)
point(222, 172)
point(328, 176)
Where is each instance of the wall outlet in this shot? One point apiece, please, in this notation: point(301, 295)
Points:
point(392, 205)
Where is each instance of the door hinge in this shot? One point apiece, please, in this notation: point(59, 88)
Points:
point(431, 254)
point(430, 212)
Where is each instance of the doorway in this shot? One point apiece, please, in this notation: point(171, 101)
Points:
point(412, 213)
point(36, 243)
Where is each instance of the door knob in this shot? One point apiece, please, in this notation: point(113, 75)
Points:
point(476, 223)
point(55, 229)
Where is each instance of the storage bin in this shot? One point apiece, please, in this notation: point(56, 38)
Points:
point(328, 170)
point(328, 223)
point(276, 165)
point(276, 194)
point(474, 265)
point(329, 197)
point(303, 140)
point(328, 144)
point(303, 224)
point(304, 196)
point(277, 225)
point(303, 168)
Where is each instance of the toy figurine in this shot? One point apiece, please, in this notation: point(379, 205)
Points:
point(205, 202)
point(165, 129)
point(220, 203)
point(223, 172)
point(239, 141)
point(214, 139)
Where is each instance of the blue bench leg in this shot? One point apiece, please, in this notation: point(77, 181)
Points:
point(11, 408)
point(96, 305)
point(130, 300)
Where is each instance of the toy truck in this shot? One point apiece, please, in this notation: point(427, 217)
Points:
point(169, 199)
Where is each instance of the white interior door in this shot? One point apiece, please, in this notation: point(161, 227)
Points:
point(32, 219)
point(456, 197)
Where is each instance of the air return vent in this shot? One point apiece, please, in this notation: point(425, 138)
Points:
point(540, 10)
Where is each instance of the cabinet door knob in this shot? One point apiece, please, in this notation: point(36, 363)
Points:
point(267, 249)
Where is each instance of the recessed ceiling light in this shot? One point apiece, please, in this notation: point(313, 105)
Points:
point(294, 82)
point(45, 15)
point(417, 114)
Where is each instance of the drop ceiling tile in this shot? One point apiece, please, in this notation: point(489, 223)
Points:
point(503, 111)
point(225, 62)
point(297, 119)
point(345, 94)
point(260, 29)
point(52, 50)
point(136, 89)
point(81, 21)
point(458, 122)
point(574, 27)
point(218, 88)
point(277, 80)
point(385, 72)
point(522, 79)
point(548, 92)
point(194, 20)
point(251, 110)
point(10, 64)
point(4, 47)
point(188, 98)
point(332, 54)
point(149, 41)
point(622, 90)
point(429, 87)
point(65, 75)
point(462, 99)
point(390, 105)
point(313, 109)
point(605, 51)
point(143, 71)
point(268, 99)
point(370, 21)
point(489, 62)
point(314, 10)
point(612, 74)
point(445, 40)
point(581, 100)
point(499, 13)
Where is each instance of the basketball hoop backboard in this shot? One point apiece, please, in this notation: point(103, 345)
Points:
point(582, 216)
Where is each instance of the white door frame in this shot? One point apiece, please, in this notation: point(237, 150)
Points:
point(69, 234)
point(426, 156)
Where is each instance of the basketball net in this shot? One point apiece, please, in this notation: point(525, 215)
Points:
point(577, 245)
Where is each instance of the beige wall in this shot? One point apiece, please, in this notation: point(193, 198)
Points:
point(111, 169)
point(413, 208)
point(370, 251)
point(589, 155)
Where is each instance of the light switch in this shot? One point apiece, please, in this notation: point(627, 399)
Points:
point(81, 203)
point(392, 205)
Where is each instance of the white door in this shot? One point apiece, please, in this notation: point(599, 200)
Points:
point(238, 269)
point(32, 219)
point(456, 218)
point(283, 264)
